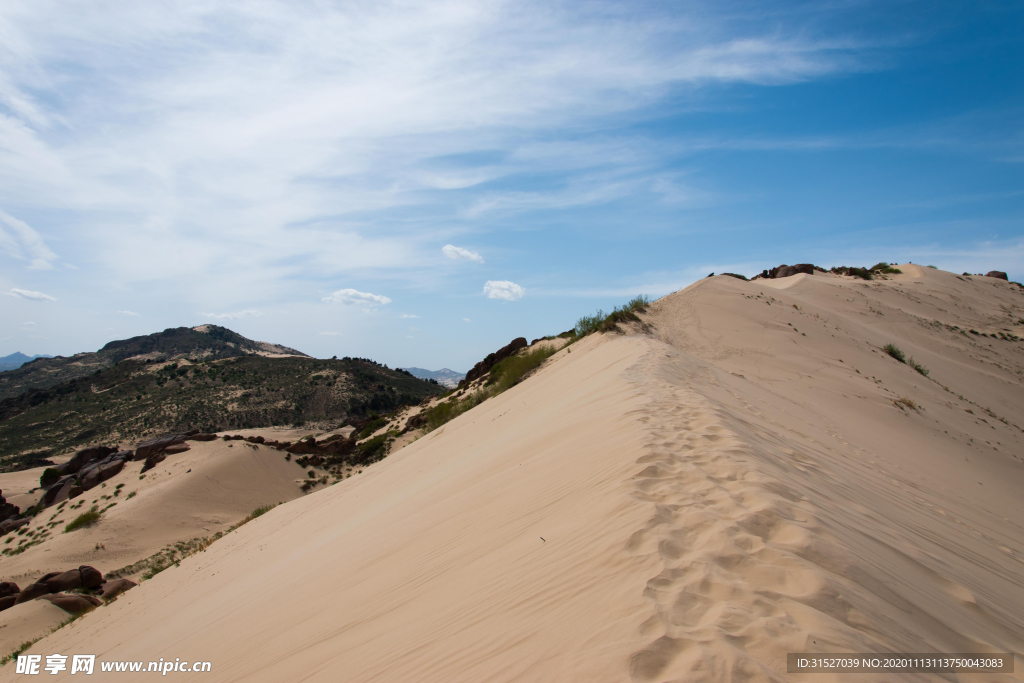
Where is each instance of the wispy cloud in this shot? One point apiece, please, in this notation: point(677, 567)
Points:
point(330, 334)
point(247, 313)
point(408, 315)
point(503, 289)
point(29, 294)
point(458, 253)
point(19, 240)
point(352, 120)
point(353, 297)
point(133, 313)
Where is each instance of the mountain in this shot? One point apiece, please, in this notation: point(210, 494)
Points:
point(205, 342)
point(444, 376)
point(142, 396)
point(16, 360)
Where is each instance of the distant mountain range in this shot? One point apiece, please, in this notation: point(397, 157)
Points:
point(205, 342)
point(16, 360)
point(444, 376)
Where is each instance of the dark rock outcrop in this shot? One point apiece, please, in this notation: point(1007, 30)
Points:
point(148, 448)
point(99, 471)
point(7, 510)
point(73, 604)
point(9, 525)
point(201, 437)
point(83, 577)
point(415, 422)
point(82, 458)
point(997, 274)
point(484, 366)
point(112, 589)
point(8, 601)
point(8, 588)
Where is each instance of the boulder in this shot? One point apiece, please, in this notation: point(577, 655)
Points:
point(83, 577)
point(10, 525)
point(178, 448)
point(7, 602)
point(415, 422)
point(32, 592)
point(75, 492)
point(73, 604)
point(59, 492)
point(115, 587)
point(152, 461)
point(997, 273)
point(201, 437)
point(85, 456)
point(8, 588)
point(302, 447)
point(95, 475)
point(148, 448)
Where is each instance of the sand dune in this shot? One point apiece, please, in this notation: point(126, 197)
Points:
point(685, 504)
point(226, 482)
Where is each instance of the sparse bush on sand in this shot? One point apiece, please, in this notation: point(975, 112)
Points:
point(895, 352)
point(906, 401)
point(600, 322)
point(83, 520)
point(885, 268)
point(917, 366)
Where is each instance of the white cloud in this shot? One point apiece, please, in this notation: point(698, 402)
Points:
point(331, 334)
point(352, 297)
point(408, 315)
point(27, 294)
point(19, 240)
point(503, 289)
point(28, 323)
point(132, 313)
point(457, 253)
point(467, 319)
point(247, 313)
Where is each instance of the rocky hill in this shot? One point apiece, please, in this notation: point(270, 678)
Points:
point(205, 342)
point(144, 395)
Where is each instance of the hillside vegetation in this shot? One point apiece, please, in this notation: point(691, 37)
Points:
point(136, 398)
point(206, 342)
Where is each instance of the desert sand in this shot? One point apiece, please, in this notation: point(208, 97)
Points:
point(748, 476)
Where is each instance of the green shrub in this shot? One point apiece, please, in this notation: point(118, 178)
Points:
point(48, 477)
point(371, 451)
point(862, 273)
point(83, 520)
point(917, 366)
point(894, 351)
point(884, 267)
point(600, 322)
point(507, 372)
point(373, 425)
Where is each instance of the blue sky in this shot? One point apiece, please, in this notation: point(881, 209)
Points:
point(420, 182)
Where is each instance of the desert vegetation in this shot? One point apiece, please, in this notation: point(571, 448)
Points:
point(600, 322)
point(86, 519)
point(137, 398)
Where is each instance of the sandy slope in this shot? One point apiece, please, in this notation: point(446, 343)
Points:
point(738, 484)
point(227, 481)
